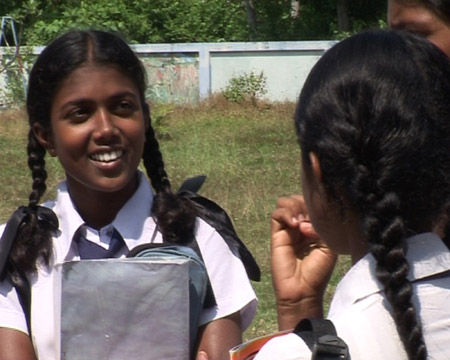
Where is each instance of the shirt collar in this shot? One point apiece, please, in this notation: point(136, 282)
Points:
point(129, 221)
point(427, 256)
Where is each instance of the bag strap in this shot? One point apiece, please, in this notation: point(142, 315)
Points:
point(192, 184)
point(218, 218)
point(9, 234)
point(321, 337)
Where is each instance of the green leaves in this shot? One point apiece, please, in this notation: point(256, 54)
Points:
point(248, 86)
point(169, 21)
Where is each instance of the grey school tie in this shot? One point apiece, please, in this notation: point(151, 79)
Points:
point(89, 250)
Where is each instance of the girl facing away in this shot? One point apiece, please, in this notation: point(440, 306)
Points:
point(86, 106)
point(374, 131)
point(427, 18)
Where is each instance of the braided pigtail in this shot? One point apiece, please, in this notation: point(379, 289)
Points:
point(174, 215)
point(34, 233)
point(386, 235)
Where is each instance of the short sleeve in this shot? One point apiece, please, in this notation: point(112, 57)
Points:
point(11, 314)
point(231, 286)
point(285, 347)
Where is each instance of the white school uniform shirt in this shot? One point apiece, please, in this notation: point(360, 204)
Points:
point(361, 315)
point(232, 289)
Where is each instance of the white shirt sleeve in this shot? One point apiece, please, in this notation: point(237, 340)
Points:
point(231, 286)
point(11, 314)
point(285, 347)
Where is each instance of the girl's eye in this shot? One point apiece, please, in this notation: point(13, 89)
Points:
point(78, 114)
point(124, 108)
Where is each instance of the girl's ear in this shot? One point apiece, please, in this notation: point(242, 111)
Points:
point(45, 138)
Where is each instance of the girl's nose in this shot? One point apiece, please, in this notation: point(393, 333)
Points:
point(105, 129)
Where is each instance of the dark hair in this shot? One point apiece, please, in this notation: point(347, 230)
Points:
point(175, 216)
point(375, 109)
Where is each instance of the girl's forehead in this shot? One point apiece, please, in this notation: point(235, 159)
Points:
point(94, 82)
point(98, 76)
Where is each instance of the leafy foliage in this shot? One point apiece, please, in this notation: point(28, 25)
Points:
point(249, 86)
point(169, 21)
point(15, 65)
point(140, 21)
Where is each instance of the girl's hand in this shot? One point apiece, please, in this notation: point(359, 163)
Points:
point(301, 263)
point(202, 355)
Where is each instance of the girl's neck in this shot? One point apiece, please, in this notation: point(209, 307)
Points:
point(99, 208)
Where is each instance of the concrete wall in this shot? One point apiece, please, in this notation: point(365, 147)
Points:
point(187, 73)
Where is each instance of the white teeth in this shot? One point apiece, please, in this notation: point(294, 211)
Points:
point(107, 157)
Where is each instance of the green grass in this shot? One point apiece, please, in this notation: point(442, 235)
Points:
point(249, 154)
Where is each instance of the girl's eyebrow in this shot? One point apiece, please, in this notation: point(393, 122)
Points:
point(125, 93)
point(86, 100)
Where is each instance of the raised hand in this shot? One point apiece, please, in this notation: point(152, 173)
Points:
point(301, 263)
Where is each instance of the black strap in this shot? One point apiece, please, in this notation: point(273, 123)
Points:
point(321, 337)
point(193, 184)
point(9, 234)
point(218, 218)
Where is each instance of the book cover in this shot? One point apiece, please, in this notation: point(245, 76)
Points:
point(120, 309)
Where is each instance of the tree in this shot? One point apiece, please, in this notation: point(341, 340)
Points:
point(158, 21)
point(251, 18)
point(343, 15)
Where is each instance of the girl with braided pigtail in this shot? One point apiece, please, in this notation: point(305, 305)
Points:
point(86, 106)
point(373, 127)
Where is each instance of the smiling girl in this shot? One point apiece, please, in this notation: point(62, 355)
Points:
point(86, 107)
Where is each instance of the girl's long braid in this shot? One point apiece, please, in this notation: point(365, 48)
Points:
point(33, 234)
point(174, 215)
point(381, 221)
point(386, 235)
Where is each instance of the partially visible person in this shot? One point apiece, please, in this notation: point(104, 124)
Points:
point(373, 127)
point(427, 18)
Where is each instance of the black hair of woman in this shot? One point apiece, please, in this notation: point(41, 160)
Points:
point(382, 136)
point(175, 216)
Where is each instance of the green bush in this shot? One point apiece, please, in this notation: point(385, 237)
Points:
point(246, 87)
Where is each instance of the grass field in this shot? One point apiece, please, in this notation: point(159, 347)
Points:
point(249, 154)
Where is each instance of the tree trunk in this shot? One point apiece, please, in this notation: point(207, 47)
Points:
point(295, 8)
point(251, 18)
point(343, 17)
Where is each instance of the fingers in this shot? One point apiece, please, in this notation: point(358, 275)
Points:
point(307, 229)
point(289, 212)
point(202, 355)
